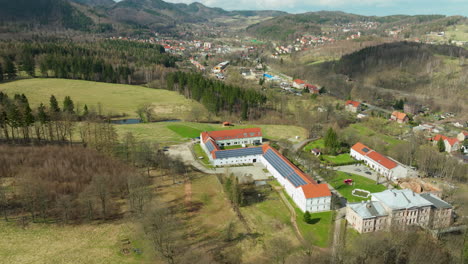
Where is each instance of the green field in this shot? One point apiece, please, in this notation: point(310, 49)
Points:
point(114, 99)
point(170, 133)
point(360, 182)
point(317, 233)
point(367, 132)
point(185, 131)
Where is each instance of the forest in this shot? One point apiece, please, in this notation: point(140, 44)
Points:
point(114, 61)
point(217, 96)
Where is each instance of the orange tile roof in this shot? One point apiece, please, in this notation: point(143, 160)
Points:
point(315, 190)
point(359, 147)
point(438, 137)
point(399, 115)
point(354, 103)
point(299, 81)
point(452, 141)
point(382, 160)
point(234, 133)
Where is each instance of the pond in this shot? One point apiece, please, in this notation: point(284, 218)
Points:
point(132, 121)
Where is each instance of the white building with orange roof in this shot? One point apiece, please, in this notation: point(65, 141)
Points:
point(383, 165)
point(306, 193)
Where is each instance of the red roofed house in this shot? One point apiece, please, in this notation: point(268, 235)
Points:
point(312, 88)
point(451, 144)
point(235, 136)
point(353, 106)
point(399, 117)
point(298, 84)
point(378, 162)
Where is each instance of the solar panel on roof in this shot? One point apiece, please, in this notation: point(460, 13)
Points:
point(365, 149)
point(210, 146)
point(232, 153)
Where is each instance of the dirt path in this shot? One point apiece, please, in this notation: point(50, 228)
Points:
point(337, 232)
point(293, 216)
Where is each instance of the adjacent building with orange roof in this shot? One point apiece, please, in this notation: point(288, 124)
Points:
point(378, 162)
point(353, 106)
point(399, 117)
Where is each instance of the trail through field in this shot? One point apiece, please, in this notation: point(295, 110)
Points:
point(293, 216)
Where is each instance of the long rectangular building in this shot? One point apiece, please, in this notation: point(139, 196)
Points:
point(304, 191)
point(378, 162)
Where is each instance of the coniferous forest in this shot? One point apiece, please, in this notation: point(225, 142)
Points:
point(217, 96)
point(112, 61)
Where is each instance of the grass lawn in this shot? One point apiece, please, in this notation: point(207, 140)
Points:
point(168, 132)
point(185, 131)
point(85, 243)
point(340, 159)
point(113, 98)
point(200, 153)
point(319, 144)
point(319, 232)
point(360, 182)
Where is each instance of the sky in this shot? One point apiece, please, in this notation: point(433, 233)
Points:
point(362, 7)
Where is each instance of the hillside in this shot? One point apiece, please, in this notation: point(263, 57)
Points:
point(288, 27)
point(105, 3)
point(116, 99)
point(45, 13)
point(432, 74)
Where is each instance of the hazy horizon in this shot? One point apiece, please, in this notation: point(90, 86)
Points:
point(361, 7)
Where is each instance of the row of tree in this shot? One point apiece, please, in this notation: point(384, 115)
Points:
point(52, 123)
point(217, 96)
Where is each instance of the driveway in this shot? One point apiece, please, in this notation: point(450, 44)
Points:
point(363, 170)
point(183, 151)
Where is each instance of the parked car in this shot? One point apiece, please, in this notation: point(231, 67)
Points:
point(368, 172)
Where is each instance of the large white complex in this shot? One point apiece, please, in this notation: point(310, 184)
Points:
point(305, 192)
point(378, 162)
point(399, 208)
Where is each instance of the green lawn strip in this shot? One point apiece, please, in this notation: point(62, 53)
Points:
point(359, 182)
point(200, 153)
point(185, 131)
point(318, 233)
point(340, 159)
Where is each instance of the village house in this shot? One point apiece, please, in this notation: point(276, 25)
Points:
point(312, 88)
point(451, 144)
point(352, 106)
point(306, 193)
point(399, 208)
point(389, 168)
point(298, 84)
point(399, 117)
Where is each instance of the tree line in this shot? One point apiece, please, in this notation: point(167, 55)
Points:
point(19, 122)
point(217, 96)
point(114, 61)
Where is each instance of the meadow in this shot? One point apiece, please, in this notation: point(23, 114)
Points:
point(178, 132)
point(114, 99)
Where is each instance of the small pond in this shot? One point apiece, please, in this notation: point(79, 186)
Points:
point(132, 121)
